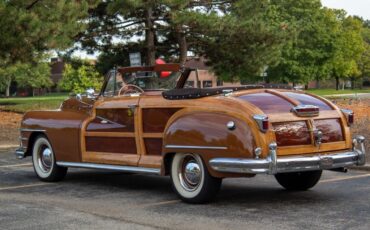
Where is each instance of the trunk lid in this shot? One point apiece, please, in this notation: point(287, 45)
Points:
point(301, 133)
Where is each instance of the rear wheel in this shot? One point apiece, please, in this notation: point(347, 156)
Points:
point(299, 181)
point(191, 179)
point(44, 162)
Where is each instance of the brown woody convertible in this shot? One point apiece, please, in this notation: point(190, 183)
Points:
point(149, 120)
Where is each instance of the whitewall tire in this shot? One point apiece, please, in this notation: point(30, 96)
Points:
point(44, 163)
point(191, 179)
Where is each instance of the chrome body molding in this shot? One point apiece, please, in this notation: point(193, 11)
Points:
point(32, 130)
point(195, 147)
point(23, 138)
point(131, 169)
point(273, 164)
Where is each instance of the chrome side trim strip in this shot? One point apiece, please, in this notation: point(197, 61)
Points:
point(131, 169)
point(23, 138)
point(195, 147)
point(32, 130)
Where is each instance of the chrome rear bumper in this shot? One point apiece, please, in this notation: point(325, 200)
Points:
point(273, 165)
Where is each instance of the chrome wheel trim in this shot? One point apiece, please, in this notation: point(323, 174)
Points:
point(43, 157)
point(190, 172)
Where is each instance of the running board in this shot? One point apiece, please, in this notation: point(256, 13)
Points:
point(131, 169)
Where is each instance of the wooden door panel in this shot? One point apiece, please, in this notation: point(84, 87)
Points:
point(110, 135)
point(154, 120)
point(112, 120)
point(111, 144)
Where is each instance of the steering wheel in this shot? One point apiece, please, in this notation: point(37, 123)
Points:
point(130, 89)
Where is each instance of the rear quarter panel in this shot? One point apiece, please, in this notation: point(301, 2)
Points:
point(204, 128)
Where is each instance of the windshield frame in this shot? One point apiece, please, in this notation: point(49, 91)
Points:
point(184, 74)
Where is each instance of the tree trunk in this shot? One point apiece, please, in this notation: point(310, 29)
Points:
point(183, 46)
point(149, 37)
point(337, 83)
point(7, 91)
point(306, 87)
point(352, 83)
point(317, 83)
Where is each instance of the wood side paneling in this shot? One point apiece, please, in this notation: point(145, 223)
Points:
point(155, 119)
point(153, 146)
point(292, 133)
point(116, 120)
point(111, 144)
point(331, 129)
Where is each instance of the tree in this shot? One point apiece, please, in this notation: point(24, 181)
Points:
point(349, 47)
point(31, 27)
point(35, 75)
point(242, 40)
point(364, 61)
point(7, 76)
point(308, 55)
point(81, 79)
point(162, 27)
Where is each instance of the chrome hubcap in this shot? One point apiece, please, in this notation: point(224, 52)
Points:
point(45, 159)
point(190, 173)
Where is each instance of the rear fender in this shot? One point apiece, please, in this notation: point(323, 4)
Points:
point(205, 132)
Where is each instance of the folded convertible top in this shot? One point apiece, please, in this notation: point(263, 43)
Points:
point(192, 93)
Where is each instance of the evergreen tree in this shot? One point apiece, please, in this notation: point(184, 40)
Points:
point(31, 27)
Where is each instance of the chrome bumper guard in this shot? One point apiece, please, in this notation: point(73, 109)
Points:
point(274, 165)
point(20, 153)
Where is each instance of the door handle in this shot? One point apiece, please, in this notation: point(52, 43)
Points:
point(131, 109)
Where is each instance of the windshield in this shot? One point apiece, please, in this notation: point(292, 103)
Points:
point(148, 80)
point(124, 83)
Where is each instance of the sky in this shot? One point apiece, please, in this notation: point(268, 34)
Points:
point(353, 7)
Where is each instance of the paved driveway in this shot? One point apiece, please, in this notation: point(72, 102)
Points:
point(104, 200)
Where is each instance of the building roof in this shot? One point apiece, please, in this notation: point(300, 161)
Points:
point(196, 63)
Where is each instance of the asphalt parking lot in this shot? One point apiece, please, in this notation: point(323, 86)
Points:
point(104, 200)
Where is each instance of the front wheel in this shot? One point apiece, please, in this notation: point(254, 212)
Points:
point(191, 179)
point(299, 181)
point(44, 162)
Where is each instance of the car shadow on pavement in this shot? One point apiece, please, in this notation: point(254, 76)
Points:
point(238, 191)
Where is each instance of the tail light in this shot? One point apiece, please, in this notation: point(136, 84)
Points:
point(350, 116)
point(306, 110)
point(262, 122)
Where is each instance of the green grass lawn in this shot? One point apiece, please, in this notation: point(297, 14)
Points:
point(324, 92)
point(24, 104)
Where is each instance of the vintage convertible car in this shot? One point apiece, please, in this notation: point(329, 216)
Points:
point(151, 120)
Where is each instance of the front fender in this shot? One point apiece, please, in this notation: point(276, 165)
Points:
point(62, 128)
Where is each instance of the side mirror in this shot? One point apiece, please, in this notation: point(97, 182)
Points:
point(78, 97)
point(90, 93)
